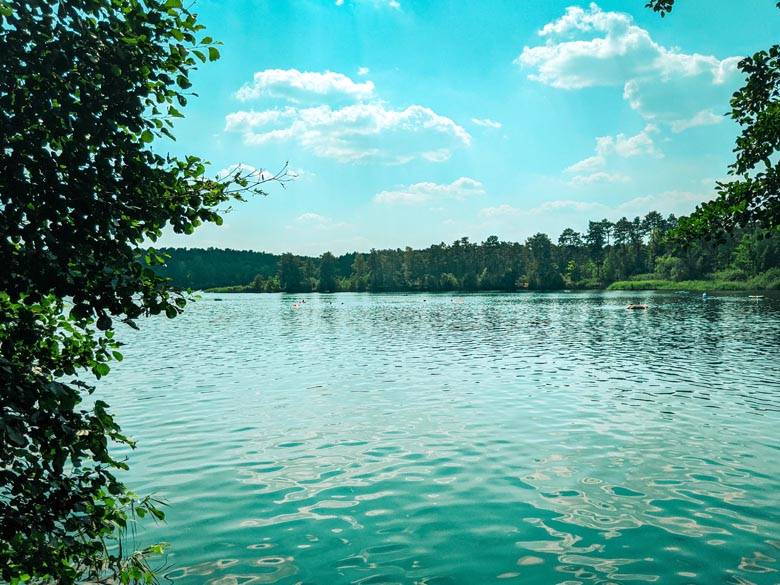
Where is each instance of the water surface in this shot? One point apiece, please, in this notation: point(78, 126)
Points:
point(526, 438)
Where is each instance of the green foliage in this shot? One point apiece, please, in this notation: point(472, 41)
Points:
point(86, 87)
point(200, 269)
point(768, 280)
point(684, 285)
point(753, 194)
point(327, 281)
point(638, 249)
point(543, 273)
point(291, 274)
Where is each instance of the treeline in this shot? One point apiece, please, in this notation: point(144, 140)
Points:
point(200, 269)
point(607, 252)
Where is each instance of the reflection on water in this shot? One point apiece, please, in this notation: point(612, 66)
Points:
point(535, 438)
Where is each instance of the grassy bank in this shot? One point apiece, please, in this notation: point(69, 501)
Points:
point(769, 280)
point(726, 280)
point(686, 285)
point(231, 289)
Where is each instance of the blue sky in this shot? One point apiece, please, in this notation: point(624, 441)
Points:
point(411, 122)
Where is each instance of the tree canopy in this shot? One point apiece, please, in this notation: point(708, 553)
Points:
point(86, 88)
point(635, 253)
point(753, 193)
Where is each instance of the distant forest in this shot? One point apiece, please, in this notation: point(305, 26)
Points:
point(635, 250)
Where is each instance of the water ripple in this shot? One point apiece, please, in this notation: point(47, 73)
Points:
point(550, 438)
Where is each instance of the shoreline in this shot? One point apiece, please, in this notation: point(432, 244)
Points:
point(621, 285)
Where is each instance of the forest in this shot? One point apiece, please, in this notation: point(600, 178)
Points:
point(629, 254)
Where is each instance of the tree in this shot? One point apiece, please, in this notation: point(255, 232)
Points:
point(753, 196)
point(327, 273)
point(291, 277)
point(86, 87)
point(595, 238)
point(542, 272)
point(360, 273)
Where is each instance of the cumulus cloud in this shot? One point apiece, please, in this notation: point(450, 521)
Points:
point(362, 131)
point(311, 217)
point(555, 207)
point(599, 177)
point(486, 122)
point(376, 3)
point(299, 173)
point(315, 222)
point(246, 171)
point(503, 210)
point(591, 47)
point(459, 190)
point(587, 165)
point(356, 132)
point(703, 118)
point(296, 86)
point(636, 145)
point(620, 145)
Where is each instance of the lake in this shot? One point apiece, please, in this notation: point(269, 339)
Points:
point(459, 439)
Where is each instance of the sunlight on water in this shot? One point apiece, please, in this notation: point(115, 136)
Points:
point(528, 438)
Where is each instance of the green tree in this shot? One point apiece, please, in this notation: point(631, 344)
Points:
point(571, 250)
point(290, 273)
point(360, 273)
point(328, 269)
point(258, 284)
point(596, 238)
point(542, 271)
point(86, 86)
point(753, 196)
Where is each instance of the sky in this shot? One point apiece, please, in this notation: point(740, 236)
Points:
point(415, 122)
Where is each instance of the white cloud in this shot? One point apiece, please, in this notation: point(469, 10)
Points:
point(356, 132)
point(587, 165)
point(363, 71)
point(620, 50)
point(620, 145)
point(359, 131)
point(636, 145)
point(298, 173)
point(703, 118)
point(296, 86)
point(487, 122)
point(590, 47)
point(376, 3)
point(502, 210)
point(311, 218)
point(440, 155)
point(314, 221)
point(567, 205)
point(459, 189)
point(599, 177)
point(246, 171)
point(553, 207)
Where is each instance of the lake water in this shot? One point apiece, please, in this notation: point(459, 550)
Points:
point(434, 439)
